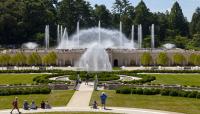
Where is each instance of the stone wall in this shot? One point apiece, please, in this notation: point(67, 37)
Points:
point(118, 57)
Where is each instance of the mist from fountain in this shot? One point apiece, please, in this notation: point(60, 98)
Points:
point(94, 59)
point(140, 36)
point(132, 35)
point(121, 39)
point(47, 36)
point(169, 46)
point(96, 40)
point(152, 37)
point(30, 45)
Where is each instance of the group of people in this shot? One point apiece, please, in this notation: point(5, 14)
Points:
point(103, 98)
point(43, 105)
point(26, 106)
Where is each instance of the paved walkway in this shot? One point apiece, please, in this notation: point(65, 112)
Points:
point(88, 109)
point(80, 103)
point(81, 98)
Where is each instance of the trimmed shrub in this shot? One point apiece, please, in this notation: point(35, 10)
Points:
point(24, 91)
point(193, 94)
point(165, 92)
point(139, 91)
point(173, 93)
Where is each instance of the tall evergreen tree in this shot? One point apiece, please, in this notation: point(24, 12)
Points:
point(195, 23)
point(72, 11)
point(123, 11)
point(103, 14)
point(178, 23)
point(143, 16)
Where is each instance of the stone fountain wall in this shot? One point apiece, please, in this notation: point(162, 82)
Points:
point(117, 57)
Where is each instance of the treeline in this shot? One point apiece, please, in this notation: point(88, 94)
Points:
point(34, 59)
point(24, 20)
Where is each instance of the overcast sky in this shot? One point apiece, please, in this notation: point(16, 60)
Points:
point(188, 6)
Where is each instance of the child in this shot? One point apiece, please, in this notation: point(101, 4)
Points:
point(95, 105)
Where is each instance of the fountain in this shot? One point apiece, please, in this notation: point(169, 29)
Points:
point(78, 40)
point(99, 32)
point(152, 37)
point(96, 40)
point(120, 29)
point(169, 46)
point(132, 36)
point(58, 34)
point(47, 37)
point(30, 45)
point(140, 36)
point(94, 59)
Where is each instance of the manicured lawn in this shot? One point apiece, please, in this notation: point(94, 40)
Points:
point(56, 98)
point(74, 113)
point(174, 104)
point(17, 78)
point(116, 68)
point(181, 79)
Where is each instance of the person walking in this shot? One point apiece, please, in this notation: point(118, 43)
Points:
point(15, 105)
point(103, 98)
point(86, 79)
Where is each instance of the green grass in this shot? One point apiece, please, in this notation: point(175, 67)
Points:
point(181, 79)
point(73, 113)
point(56, 98)
point(167, 103)
point(116, 68)
point(17, 78)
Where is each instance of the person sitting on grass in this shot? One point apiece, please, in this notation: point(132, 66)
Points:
point(33, 106)
point(47, 105)
point(25, 105)
point(42, 105)
point(15, 105)
point(95, 105)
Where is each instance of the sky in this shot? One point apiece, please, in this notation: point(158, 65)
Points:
point(188, 6)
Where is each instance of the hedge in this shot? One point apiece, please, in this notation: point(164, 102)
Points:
point(103, 76)
point(45, 78)
point(113, 72)
point(162, 92)
point(24, 91)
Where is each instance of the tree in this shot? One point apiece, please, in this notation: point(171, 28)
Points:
point(10, 21)
point(18, 59)
point(72, 11)
point(4, 59)
point(195, 23)
point(177, 21)
point(197, 60)
point(194, 59)
point(146, 59)
point(34, 59)
point(50, 59)
point(178, 59)
point(181, 42)
point(161, 27)
point(162, 59)
point(194, 43)
point(103, 14)
point(123, 11)
point(37, 14)
point(21, 20)
point(191, 59)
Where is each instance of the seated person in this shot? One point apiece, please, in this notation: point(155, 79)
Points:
point(42, 105)
point(33, 105)
point(25, 105)
point(95, 105)
point(47, 105)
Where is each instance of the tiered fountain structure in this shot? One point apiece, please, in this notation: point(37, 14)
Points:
point(95, 41)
